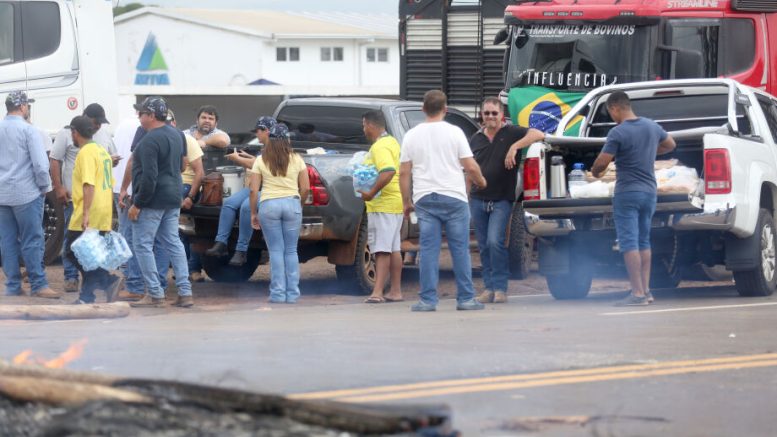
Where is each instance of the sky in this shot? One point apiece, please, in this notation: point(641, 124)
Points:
point(361, 6)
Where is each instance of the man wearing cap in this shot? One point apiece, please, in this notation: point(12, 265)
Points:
point(24, 181)
point(92, 206)
point(63, 158)
point(240, 201)
point(157, 163)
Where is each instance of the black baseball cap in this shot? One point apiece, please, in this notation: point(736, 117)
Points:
point(97, 112)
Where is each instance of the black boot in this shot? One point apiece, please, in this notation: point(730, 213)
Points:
point(218, 250)
point(238, 259)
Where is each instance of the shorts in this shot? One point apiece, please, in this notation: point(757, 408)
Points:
point(383, 232)
point(633, 213)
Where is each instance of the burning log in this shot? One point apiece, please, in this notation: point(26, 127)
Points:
point(54, 392)
point(11, 370)
point(65, 312)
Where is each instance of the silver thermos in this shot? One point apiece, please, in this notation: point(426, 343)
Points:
point(558, 178)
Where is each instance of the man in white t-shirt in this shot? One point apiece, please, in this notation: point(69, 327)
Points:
point(434, 153)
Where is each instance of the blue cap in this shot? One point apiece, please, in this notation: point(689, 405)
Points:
point(18, 98)
point(155, 105)
point(579, 166)
point(279, 131)
point(265, 122)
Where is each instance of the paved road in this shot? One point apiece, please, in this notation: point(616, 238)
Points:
point(699, 362)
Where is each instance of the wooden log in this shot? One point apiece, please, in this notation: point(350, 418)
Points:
point(65, 312)
point(67, 393)
point(64, 375)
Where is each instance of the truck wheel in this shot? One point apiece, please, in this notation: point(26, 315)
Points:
point(665, 270)
point(53, 228)
point(521, 245)
point(219, 269)
point(573, 285)
point(762, 280)
point(359, 277)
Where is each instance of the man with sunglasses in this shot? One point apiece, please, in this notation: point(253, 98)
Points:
point(492, 206)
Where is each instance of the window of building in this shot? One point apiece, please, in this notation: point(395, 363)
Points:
point(283, 54)
point(331, 54)
point(6, 33)
point(377, 54)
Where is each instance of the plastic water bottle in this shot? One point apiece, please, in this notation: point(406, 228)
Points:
point(577, 176)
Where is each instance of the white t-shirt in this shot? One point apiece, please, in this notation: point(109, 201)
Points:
point(435, 149)
point(122, 139)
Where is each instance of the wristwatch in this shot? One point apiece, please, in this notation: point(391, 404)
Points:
point(190, 197)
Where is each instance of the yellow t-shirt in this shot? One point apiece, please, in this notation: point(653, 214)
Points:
point(94, 167)
point(384, 155)
point(193, 153)
point(276, 187)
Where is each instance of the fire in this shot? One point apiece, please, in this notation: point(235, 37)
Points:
point(72, 353)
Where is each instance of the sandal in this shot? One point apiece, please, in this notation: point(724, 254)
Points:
point(374, 299)
point(390, 300)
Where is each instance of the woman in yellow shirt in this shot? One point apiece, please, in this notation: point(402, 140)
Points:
point(283, 177)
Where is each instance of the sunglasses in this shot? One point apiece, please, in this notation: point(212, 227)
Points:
point(262, 128)
point(490, 113)
point(142, 113)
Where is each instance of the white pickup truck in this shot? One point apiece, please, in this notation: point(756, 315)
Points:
point(724, 130)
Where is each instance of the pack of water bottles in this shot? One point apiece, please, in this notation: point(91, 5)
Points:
point(364, 175)
point(95, 251)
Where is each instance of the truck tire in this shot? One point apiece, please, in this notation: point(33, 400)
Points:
point(762, 280)
point(219, 269)
point(665, 270)
point(359, 277)
point(573, 285)
point(521, 245)
point(53, 228)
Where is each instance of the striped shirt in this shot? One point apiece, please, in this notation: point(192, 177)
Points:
point(24, 167)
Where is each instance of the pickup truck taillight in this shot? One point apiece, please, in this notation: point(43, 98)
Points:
point(318, 195)
point(717, 171)
point(531, 179)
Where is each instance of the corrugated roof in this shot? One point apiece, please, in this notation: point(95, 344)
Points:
point(306, 24)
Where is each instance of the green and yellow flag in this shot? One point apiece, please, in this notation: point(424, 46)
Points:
point(543, 108)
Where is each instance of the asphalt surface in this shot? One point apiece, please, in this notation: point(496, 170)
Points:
point(701, 361)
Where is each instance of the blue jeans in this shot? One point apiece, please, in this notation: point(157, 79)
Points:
point(163, 261)
point(71, 272)
point(435, 212)
point(633, 213)
point(21, 233)
point(237, 201)
point(161, 224)
point(281, 222)
point(491, 221)
point(131, 271)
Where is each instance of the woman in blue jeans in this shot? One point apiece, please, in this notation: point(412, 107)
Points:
point(283, 177)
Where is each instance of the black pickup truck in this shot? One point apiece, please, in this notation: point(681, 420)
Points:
point(334, 222)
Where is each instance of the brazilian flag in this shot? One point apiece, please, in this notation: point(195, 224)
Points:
point(542, 108)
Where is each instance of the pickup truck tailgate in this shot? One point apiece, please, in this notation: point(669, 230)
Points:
point(568, 208)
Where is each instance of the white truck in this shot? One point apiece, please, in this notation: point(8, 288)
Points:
point(724, 130)
point(63, 54)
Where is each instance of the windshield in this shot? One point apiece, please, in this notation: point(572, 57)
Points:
point(579, 57)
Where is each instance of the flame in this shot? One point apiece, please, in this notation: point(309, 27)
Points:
point(72, 353)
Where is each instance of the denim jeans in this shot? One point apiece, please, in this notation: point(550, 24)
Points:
point(131, 271)
point(21, 234)
point(281, 222)
point(229, 210)
point(161, 224)
point(71, 272)
point(163, 260)
point(491, 220)
point(437, 212)
point(633, 213)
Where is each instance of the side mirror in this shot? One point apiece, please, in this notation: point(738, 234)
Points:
point(501, 36)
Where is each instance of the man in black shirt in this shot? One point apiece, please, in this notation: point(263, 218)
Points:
point(157, 163)
point(493, 146)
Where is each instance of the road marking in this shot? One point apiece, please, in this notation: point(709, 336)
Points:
point(675, 310)
point(511, 382)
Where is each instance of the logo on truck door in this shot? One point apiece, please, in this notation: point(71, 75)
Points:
point(152, 68)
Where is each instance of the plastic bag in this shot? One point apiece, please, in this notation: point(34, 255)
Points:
point(678, 179)
point(118, 251)
point(90, 249)
point(364, 178)
point(594, 189)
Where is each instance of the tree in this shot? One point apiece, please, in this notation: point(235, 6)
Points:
point(127, 8)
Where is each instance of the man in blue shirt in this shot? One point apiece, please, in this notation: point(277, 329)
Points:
point(24, 181)
point(634, 144)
